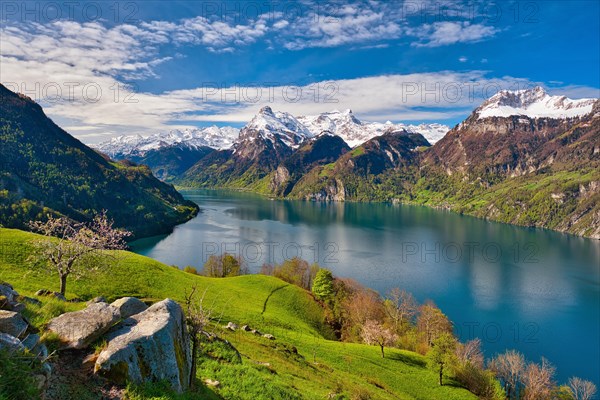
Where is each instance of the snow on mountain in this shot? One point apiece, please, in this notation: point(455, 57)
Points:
point(272, 125)
point(534, 103)
point(212, 136)
point(355, 132)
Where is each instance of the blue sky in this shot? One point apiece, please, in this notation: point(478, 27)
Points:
point(108, 68)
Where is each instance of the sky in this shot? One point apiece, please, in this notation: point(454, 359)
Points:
point(107, 68)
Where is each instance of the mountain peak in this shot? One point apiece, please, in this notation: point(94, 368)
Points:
point(533, 103)
point(266, 110)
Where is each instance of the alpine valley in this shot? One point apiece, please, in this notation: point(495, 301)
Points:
point(523, 157)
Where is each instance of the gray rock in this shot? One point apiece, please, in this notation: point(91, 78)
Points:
point(269, 336)
point(77, 330)
point(10, 343)
point(95, 300)
point(245, 328)
point(150, 346)
point(7, 291)
point(129, 306)
point(12, 323)
point(18, 307)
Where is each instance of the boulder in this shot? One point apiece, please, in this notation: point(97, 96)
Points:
point(12, 323)
point(245, 328)
point(95, 300)
point(150, 346)
point(8, 291)
point(77, 330)
point(129, 306)
point(269, 336)
point(10, 343)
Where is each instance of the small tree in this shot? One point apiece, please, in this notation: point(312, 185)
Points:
point(223, 266)
point(432, 322)
point(323, 285)
point(196, 317)
point(581, 389)
point(442, 354)
point(73, 243)
point(400, 307)
point(374, 333)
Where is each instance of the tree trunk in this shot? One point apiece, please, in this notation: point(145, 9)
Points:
point(382, 353)
point(63, 284)
point(441, 375)
point(195, 344)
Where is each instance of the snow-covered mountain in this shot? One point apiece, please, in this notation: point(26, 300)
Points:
point(533, 103)
point(136, 145)
point(274, 126)
point(292, 130)
point(355, 132)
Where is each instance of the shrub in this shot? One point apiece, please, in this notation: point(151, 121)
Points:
point(322, 286)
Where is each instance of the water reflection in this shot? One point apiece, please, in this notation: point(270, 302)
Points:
point(529, 289)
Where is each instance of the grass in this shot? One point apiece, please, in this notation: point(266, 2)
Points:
point(302, 363)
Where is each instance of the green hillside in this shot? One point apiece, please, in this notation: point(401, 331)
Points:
point(302, 363)
point(45, 170)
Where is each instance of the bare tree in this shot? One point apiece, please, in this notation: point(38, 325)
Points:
point(400, 307)
point(510, 369)
point(539, 381)
point(470, 352)
point(581, 389)
point(196, 317)
point(75, 242)
point(374, 333)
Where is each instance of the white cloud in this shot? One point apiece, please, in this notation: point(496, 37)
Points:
point(451, 32)
point(463, 59)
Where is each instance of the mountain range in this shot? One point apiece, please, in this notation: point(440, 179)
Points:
point(45, 170)
point(522, 157)
point(169, 154)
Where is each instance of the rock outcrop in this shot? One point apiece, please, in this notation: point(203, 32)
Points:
point(77, 330)
point(129, 306)
point(150, 346)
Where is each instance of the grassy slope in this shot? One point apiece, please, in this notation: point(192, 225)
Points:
point(263, 302)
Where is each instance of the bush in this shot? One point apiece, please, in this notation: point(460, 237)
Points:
point(482, 383)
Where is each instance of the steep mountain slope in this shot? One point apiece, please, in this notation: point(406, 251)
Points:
point(268, 139)
point(356, 175)
point(320, 150)
point(44, 169)
point(522, 169)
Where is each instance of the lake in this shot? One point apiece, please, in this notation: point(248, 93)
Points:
point(533, 290)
